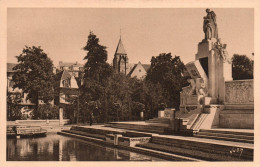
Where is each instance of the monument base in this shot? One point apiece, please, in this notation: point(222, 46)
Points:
point(237, 117)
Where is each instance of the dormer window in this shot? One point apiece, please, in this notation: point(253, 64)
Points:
point(66, 83)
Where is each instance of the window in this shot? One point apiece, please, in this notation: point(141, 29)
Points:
point(66, 83)
point(140, 70)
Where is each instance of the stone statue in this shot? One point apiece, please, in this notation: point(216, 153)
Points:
point(193, 86)
point(210, 25)
point(208, 29)
point(202, 91)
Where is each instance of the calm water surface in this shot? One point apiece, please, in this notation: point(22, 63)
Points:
point(60, 148)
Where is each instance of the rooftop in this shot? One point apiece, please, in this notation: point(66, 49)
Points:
point(120, 48)
point(68, 64)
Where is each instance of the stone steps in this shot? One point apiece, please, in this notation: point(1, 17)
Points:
point(93, 135)
point(202, 149)
point(159, 120)
point(177, 147)
point(150, 128)
point(97, 130)
point(235, 136)
point(196, 125)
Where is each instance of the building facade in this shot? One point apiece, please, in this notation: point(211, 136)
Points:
point(73, 68)
point(17, 95)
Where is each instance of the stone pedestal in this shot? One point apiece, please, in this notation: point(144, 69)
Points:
point(166, 113)
point(142, 115)
point(161, 114)
point(61, 116)
point(219, 70)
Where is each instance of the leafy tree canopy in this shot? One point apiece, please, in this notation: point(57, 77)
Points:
point(242, 67)
point(168, 72)
point(96, 66)
point(34, 74)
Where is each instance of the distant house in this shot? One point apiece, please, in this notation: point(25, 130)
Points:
point(16, 93)
point(66, 89)
point(73, 68)
point(65, 86)
point(139, 70)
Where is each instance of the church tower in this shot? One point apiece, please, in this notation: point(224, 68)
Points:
point(120, 61)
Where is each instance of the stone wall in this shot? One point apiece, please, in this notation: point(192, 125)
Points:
point(239, 92)
point(236, 119)
point(239, 105)
point(38, 122)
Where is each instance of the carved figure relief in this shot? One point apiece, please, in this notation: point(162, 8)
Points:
point(221, 50)
point(239, 92)
point(193, 87)
point(194, 93)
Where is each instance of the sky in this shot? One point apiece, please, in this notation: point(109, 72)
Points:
point(63, 32)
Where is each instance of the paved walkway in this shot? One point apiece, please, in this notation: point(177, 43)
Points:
point(132, 122)
point(235, 130)
point(103, 128)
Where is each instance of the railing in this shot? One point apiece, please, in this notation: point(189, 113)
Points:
point(239, 92)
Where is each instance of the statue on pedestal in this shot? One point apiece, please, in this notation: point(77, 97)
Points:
point(210, 25)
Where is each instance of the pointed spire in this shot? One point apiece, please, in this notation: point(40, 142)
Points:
point(120, 33)
point(120, 48)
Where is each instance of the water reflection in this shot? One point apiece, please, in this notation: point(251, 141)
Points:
point(60, 148)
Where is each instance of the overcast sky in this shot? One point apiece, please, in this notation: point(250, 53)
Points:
point(63, 32)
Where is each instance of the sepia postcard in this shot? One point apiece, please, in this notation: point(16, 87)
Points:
point(121, 83)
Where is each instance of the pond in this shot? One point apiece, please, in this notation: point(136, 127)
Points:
point(61, 148)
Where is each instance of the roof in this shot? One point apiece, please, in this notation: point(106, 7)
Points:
point(145, 66)
point(120, 48)
point(65, 75)
point(10, 67)
point(68, 64)
point(132, 70)
point(62, 75)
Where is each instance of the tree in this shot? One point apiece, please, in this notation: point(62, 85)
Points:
point(13, 107)
point(47, 111)
point(153, 99)
point(34, 75)
point(97, 71)
point(168, 72)
point(119, 97)
point(96, 66)
point(242, 67)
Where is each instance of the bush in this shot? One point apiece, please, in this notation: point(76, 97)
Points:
point(46, 111)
